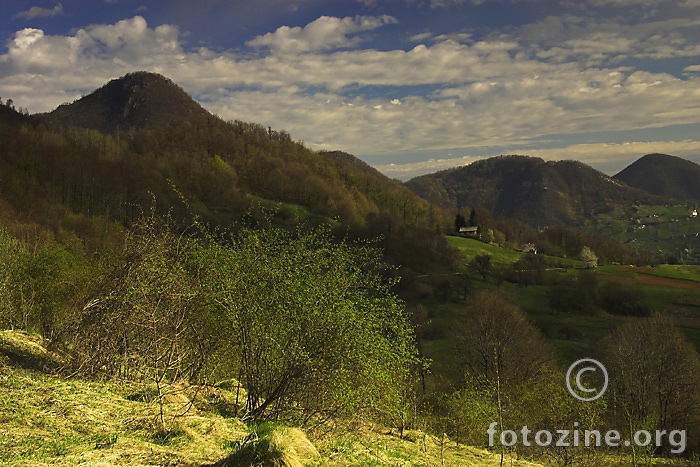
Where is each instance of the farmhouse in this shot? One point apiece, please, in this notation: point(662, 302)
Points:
point(529, 248)
point(469, 231)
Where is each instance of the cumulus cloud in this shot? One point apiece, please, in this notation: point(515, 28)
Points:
point(38, 12)
point(325, 33)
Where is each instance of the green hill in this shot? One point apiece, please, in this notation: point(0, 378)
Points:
point(105, 157)
point(536, 192)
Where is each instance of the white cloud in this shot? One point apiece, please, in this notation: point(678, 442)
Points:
point(325, 33)
point(38, 12)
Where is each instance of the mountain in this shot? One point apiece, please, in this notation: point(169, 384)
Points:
point(104, 158)
point(663, 175)
point(134, 101)
point(534, 191)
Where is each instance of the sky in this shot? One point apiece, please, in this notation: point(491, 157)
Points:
point(409, 86)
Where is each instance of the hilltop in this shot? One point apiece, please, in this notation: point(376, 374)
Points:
point(663, 175)
point(134, 101)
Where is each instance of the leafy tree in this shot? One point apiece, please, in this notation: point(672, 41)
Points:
point(312, 325)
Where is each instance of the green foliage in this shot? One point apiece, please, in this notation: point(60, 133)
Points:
point(40, 291)
point(312, 325)
point(466, 412)
point(617, 299)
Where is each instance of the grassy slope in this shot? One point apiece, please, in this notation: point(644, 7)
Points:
point(49, 420)
point(500, 256)
point(662, 230)
point(671, 290)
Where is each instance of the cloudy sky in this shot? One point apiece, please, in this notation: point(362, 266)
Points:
point(410, 86)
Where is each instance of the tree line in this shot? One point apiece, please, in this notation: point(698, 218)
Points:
point(226, 170)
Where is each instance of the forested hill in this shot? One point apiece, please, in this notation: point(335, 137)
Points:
point(664, 175)
point(104, 157)
point(529, 189)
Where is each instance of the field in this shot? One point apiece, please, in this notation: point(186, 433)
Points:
point(667, 231)
point(672, 290)
point(500, 256)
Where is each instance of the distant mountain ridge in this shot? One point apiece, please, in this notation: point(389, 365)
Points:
point(536, 192)
point(134, 101)
point(663, 175)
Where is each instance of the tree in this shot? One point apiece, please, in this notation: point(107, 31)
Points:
point(588, 257)
point(481, 264)
point(618, 299)
point(654, 375)
point(312, 325)
point(14, 306)
point(501, 351)
point(146, 325)
point(496, 342)
point(460, 222)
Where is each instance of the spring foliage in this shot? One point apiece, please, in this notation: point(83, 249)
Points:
point(308, 325)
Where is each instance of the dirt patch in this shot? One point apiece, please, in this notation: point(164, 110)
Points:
point(646, 279)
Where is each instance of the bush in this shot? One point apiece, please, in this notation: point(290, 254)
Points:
point(617, 299)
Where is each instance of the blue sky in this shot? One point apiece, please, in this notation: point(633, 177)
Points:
point(410, 86)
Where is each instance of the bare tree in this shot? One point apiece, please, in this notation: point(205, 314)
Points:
point(655, 375)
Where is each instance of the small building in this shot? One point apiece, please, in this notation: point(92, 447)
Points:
point(529, 248)
point(469, 231)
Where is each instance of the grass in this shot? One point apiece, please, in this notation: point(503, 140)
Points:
point(684, 272)
point(46, 419)
point(51, 420)
point(369, 446)
point(662, 230)
point(500, 256)
point(471, 247)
